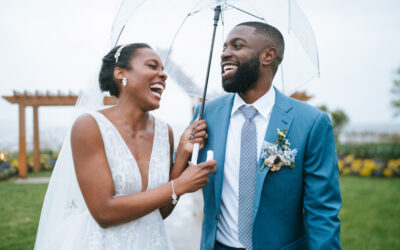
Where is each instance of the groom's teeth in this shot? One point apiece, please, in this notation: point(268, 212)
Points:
point(229, 67)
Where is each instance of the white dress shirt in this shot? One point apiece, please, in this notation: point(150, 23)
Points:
point(227, 230)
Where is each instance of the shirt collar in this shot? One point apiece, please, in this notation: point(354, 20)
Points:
point(263, 105)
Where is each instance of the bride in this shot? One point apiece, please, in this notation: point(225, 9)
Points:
point(125, 182)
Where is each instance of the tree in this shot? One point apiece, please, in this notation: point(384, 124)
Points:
point(396, 92)
point(339, 120)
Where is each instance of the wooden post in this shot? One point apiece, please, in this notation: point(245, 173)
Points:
point(22, 168)
point(36, 146)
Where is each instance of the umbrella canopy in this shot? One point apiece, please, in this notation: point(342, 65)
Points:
point(181, 31)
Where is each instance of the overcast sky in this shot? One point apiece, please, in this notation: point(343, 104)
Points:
point(359, 48)
point(51, 45)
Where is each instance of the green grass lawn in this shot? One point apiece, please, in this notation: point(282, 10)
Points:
point(370, 215)
point(20, 206)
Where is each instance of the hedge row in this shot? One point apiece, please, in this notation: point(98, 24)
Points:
point(383, 151)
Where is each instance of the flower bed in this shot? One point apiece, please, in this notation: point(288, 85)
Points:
point(370, 159)
point(349, 165)
point(9, 163)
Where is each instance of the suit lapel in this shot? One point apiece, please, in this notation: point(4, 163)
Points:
point(279, 119)
point(221, 125)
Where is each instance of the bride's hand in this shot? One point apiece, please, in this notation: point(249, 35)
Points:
point(194, 133)
point(194, 177)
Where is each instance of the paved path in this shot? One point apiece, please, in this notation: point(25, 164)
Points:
point(37, 180)
point(183, 226)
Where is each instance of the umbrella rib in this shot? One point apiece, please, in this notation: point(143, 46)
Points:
point(173, 40)
point(119, 35)
point(246, 12)
point(177, 32)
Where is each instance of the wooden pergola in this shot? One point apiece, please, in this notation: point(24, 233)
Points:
point(36, 100)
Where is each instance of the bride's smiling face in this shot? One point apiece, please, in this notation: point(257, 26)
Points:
point(145, 79)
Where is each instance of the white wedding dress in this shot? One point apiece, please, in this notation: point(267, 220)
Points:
point(78, 229)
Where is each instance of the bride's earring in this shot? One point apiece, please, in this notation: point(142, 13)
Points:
point(124, 81)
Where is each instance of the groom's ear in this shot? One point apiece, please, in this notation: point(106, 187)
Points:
point(268, 56)
point(119, 73)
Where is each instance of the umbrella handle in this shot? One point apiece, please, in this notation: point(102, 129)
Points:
point(195, 153)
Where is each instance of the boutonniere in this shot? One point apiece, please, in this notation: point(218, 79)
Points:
point(279, 154)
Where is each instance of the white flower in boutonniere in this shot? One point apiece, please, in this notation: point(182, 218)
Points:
point(279, 154)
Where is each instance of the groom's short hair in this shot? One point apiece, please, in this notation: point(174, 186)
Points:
point(272, 34)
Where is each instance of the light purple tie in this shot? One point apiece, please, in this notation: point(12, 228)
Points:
point(247, 175)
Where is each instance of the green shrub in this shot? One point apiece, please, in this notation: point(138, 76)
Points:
point(383, 150)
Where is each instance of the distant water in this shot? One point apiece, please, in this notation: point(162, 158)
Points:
point(51, 136)
point(369, 132)
point(383, 128)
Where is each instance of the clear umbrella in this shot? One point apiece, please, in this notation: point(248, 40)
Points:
point(181, 31)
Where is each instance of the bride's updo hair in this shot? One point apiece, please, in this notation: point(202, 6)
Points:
point(106, 76)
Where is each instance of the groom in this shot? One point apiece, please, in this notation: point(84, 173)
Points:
point(247, 205)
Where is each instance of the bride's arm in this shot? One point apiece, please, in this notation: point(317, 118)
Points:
point(96, 183)
point(198, 130)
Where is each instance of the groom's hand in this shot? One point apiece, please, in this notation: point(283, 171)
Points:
point(194, 177)
point(194, 133)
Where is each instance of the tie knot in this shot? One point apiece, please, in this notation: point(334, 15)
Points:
point(248, 112)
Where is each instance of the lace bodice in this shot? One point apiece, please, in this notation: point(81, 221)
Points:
point(147, 232)
point(123, 166)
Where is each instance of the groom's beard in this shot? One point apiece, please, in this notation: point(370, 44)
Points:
point(244, 78)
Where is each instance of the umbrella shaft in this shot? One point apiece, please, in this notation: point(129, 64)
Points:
point(217, 13)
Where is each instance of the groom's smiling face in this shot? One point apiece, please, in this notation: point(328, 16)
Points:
point(240, 62)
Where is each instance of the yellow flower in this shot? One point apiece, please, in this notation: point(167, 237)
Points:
point(366, 172)
point(356, 166)
point(394, 164)
point(30, 160)
point(387, 172)
point(14, 163)
point(346, 171)
point(349, 158)
point(369, 164)
point(341, 165)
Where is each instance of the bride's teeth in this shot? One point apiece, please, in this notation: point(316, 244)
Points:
point(157, 89)
point(157, 86)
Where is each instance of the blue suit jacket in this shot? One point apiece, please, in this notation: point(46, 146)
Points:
point(293, 208)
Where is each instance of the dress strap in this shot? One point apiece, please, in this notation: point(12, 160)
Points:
point(162, 137)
